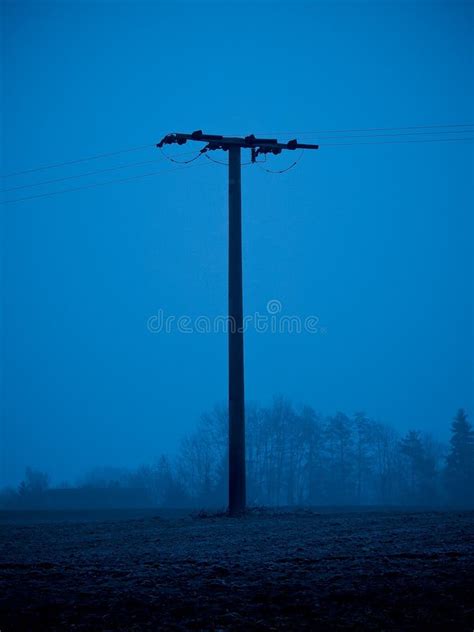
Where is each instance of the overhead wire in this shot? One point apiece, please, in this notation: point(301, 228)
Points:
point(399, 142)
point(373, 129)
point(226, 164)
point(181, 162)
point(78, 160)
point(321, 131)
point(200, 153)
point(283, 170)
point(99, 184)
point(93, 185)
point(88, 173)
point(465, 131)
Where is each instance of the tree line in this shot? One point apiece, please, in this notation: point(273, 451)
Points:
point(298, 457)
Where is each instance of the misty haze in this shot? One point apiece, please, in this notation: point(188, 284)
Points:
point(237, 281)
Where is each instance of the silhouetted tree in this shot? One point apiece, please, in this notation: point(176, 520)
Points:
point(363, 456)
point(169, 491)
point(420, 482)
point(35, 482)
point(313, 467)
point(339, 448)
point(412, 449)
point(387, 464)
point(432, 469)
point(460, 461)
point(202, 457)
point(106, 476)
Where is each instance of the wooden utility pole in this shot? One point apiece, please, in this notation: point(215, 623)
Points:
point(237, 478)
point(236, 341)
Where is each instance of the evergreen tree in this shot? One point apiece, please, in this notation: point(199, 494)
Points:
point(460, 461)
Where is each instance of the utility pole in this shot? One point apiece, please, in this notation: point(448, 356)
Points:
point(236, 341)
point(237, 478)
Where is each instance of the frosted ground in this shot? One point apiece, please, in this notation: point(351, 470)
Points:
point(329, 570)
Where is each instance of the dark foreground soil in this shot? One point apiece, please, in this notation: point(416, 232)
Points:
point(266, 571)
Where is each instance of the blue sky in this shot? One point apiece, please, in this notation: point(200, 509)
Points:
point(376, 240)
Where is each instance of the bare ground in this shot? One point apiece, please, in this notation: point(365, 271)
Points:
point(268, 571)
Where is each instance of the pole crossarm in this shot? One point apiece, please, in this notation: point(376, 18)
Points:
point(214, 141)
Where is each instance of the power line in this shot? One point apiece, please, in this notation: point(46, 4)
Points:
point(372, 129)
point(400, 142)
point(78, 160)
point(226, 164)
point(388, 142)
point(89, 173)
point(100, 184)
point(464, 131)
point(116, 181)
point(185, 162)
point(321, 131)
point(180, 162)
point(287, 168)
point(81, 175)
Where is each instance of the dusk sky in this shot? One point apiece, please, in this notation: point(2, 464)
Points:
point(373, 239)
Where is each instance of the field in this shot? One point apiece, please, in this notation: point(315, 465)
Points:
point(315, 570)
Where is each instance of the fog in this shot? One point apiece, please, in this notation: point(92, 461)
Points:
point(374, 242)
